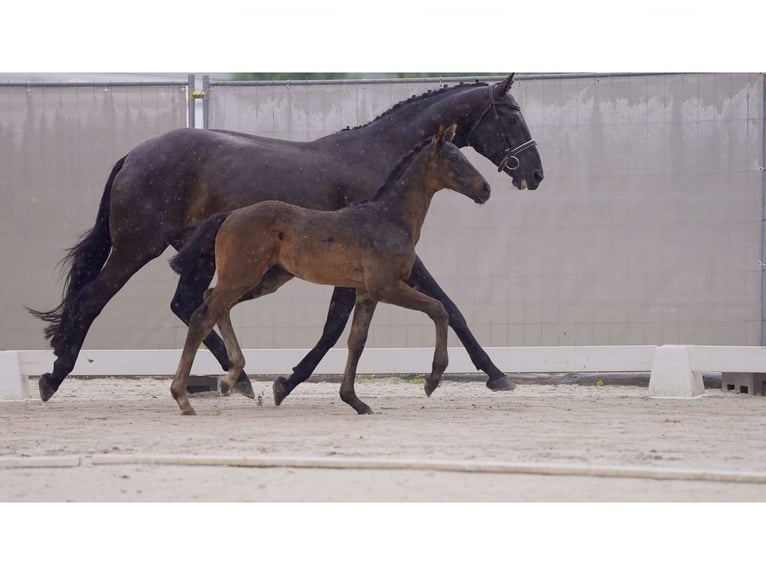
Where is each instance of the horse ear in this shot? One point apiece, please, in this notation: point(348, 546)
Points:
point(439, 136)
point(502, 88)
point(450, 134)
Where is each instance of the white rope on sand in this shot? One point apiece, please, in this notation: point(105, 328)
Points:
point(347, 463)
point(39, 461)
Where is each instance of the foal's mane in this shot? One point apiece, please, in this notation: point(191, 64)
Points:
point(419, 97)
point(396, 173)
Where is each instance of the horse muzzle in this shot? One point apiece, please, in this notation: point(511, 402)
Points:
point(524, 183)
point(483, 195)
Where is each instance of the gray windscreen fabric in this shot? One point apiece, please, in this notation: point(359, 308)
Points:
point(646, 230)
point(58, 144)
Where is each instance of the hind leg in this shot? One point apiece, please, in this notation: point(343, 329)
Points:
point(90, 301)
point(199, 325)
point(215, 309)
point(237, 275)
point(236, 358)
point(233, 350)
point(187, 298)
point(189, 295)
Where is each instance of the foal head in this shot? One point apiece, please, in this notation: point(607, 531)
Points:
point(449, 168)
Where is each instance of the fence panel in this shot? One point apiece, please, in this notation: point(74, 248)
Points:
point(57, 146)
point(646, 230)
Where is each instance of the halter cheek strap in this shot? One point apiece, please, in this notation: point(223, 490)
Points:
point(510, 161)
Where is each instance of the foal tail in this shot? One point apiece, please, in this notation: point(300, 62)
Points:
point(84, 262)
point(198, 252)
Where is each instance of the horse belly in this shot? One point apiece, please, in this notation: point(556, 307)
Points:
point(325, 265)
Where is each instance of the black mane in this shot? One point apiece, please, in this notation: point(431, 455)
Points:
point(416, 98)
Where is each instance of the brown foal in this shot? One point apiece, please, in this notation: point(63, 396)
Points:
point(368, 246)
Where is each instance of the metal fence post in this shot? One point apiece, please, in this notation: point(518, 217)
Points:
point(205, 101)
point(762, 169)
point(200, 95)
point(190, 101)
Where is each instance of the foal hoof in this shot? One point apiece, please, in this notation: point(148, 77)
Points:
point(244, 387)
point(46, 389)
point(430, 387)
point(279, 390)
point(501, 384)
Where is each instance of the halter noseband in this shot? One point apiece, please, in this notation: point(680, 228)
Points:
point(510, 154)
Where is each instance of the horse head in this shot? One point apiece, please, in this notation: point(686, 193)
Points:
point(500, 133)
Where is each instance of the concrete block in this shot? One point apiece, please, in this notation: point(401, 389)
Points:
point(750, 383)
point(672, 376)
point(13, 386)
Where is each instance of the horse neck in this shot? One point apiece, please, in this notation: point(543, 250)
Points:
point(402, 128)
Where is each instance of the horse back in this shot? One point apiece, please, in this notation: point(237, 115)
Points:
point(181, 178)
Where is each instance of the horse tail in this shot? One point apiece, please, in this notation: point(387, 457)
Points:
point(198, 252)
point(84, 261)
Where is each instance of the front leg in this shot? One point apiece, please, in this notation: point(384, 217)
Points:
point(405, 296)
point(360, 325)
point(424, 282)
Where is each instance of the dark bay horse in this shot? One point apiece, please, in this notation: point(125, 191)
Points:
point(164, 187)
point(368, 246)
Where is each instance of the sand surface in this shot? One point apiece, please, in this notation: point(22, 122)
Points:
point(124, 440)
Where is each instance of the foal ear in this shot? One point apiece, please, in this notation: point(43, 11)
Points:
point(502, 88)
point(449, 135)
point(437, 139)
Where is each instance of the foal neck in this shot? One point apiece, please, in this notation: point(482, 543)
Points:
point(407, 199)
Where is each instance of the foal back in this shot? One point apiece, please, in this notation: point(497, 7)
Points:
point(324, 247)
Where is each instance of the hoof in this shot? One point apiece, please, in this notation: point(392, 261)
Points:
point(365, 411)
point(501, 384)
point(430, 387)
point(244, 387)
point(46, 389)
point(223, 387)
point(280, 390)
point(190, 411)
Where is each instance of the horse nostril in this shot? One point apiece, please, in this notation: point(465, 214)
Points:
point(537, 175)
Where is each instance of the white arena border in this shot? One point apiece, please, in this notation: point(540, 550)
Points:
point(353, 463)
point(676, 370)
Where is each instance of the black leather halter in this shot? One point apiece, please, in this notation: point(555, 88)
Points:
point(510, 154)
